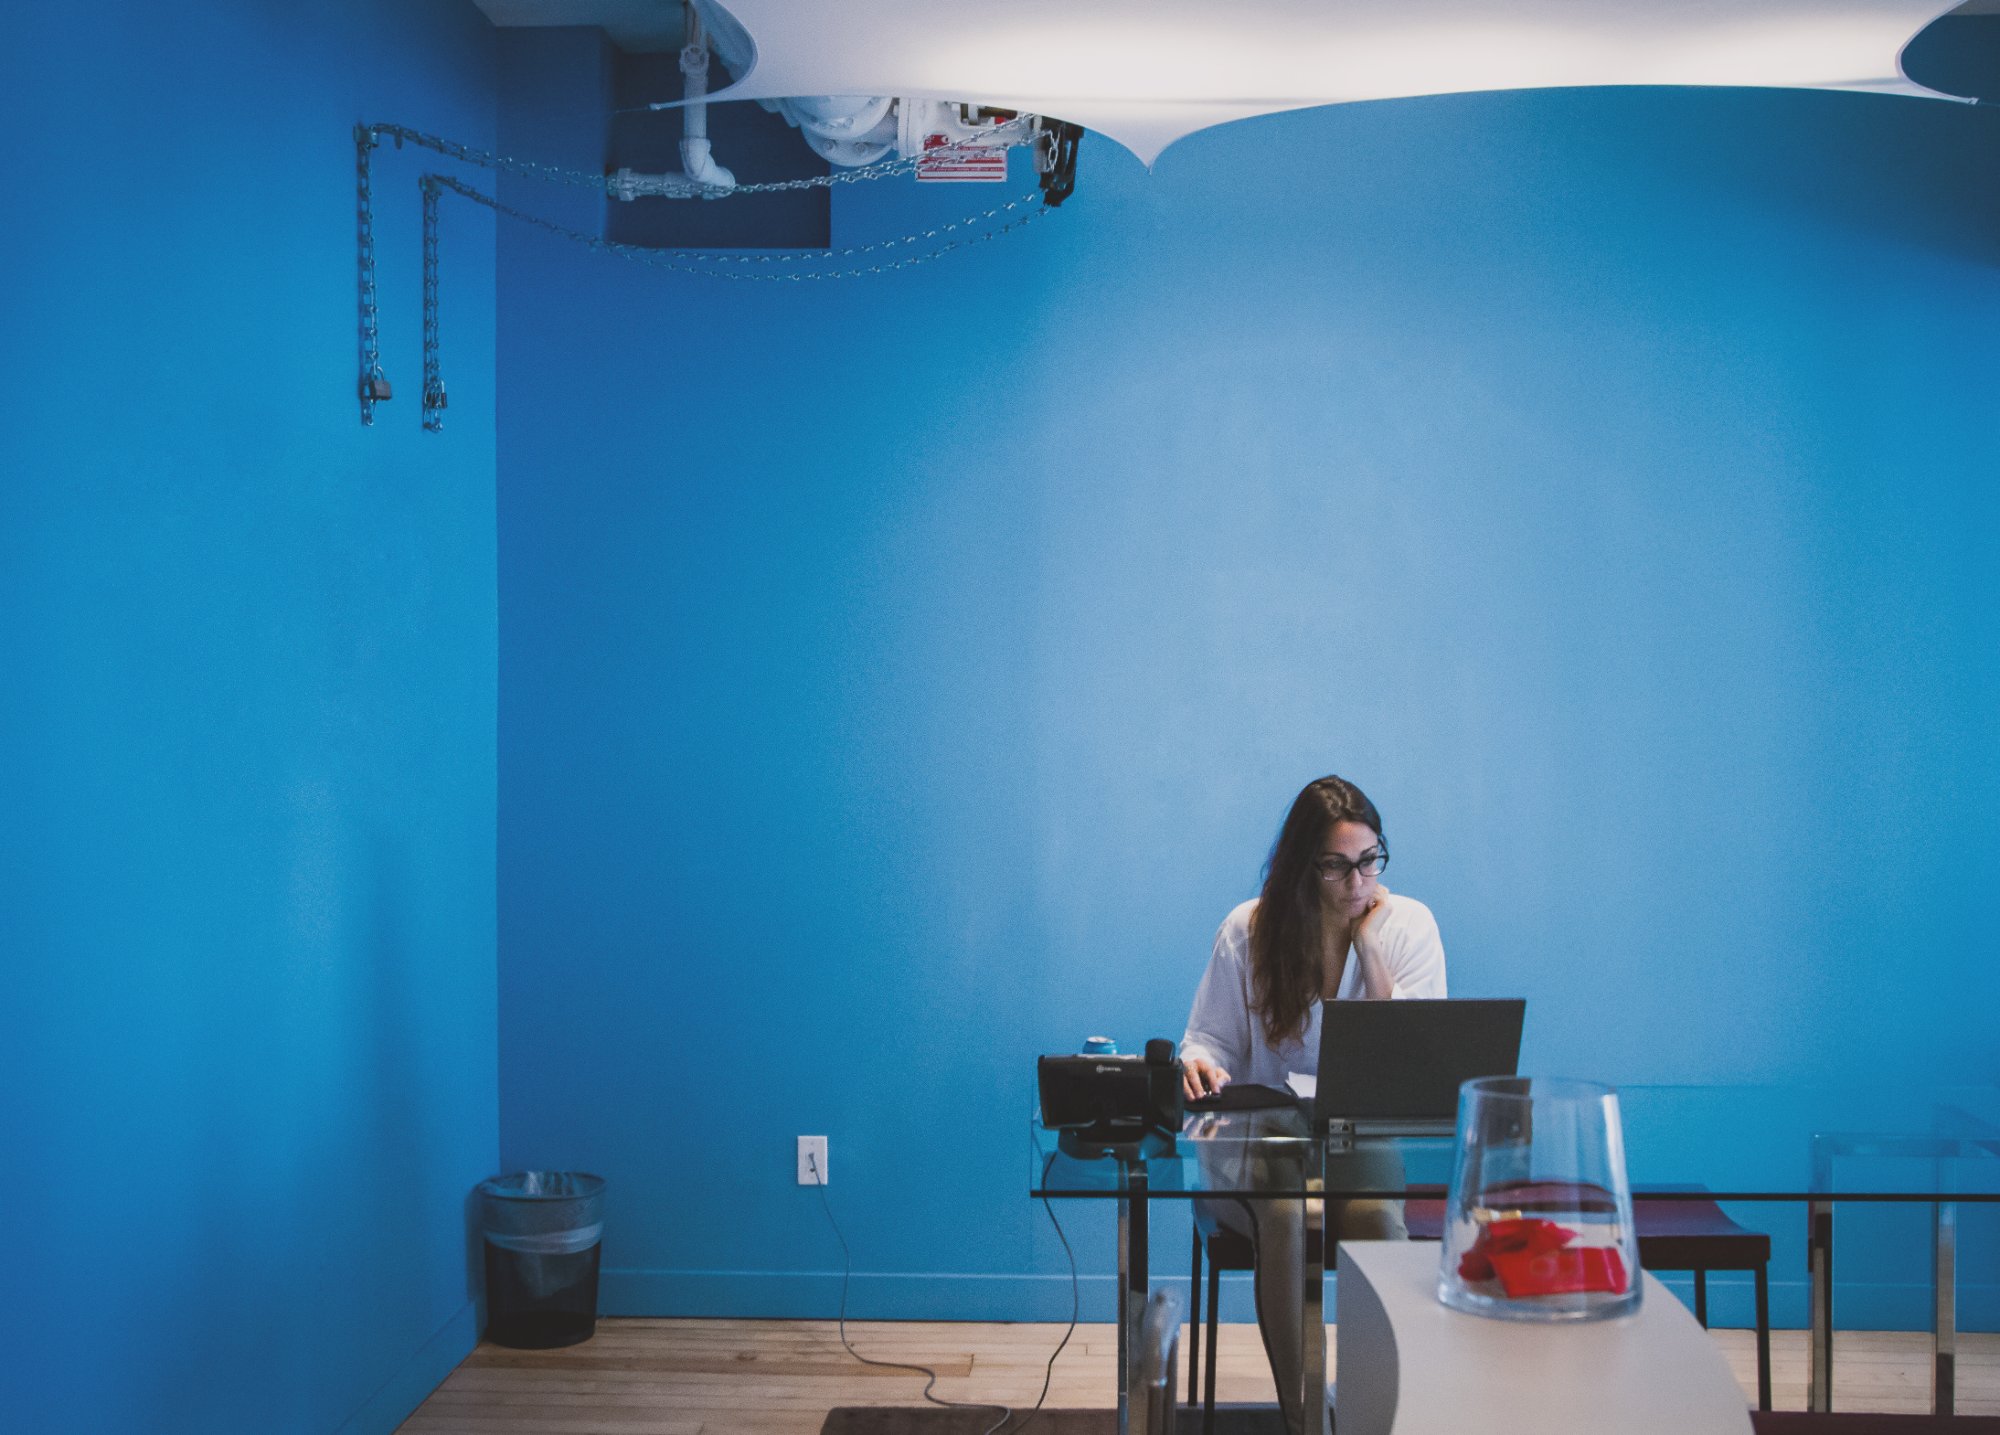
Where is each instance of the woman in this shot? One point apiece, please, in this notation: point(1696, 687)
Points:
point(1324, 928)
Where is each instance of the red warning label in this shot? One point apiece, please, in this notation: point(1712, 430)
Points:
point(965, 165)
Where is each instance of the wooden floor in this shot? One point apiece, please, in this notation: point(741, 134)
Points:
point(780, 1377)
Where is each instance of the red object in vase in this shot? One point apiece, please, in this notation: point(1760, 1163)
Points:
point(1530, 1256)
point(1561, 1272)
point(1522, 1236)
point(1528, 1235)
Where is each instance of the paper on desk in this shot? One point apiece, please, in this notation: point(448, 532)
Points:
point(1303, 1084)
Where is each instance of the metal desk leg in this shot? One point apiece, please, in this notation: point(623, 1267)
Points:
point(1944, 1332)
point(1124, 1317)
point(1132, 1288)
point(1819, 1261)
point(1314, 1256)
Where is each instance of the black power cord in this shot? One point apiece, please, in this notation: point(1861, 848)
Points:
point(1006, 1411)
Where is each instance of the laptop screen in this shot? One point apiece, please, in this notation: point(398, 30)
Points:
point(1405, 1060)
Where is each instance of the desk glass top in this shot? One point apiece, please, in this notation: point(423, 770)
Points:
point(1745, 1143)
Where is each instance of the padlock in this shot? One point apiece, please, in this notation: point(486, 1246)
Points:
point(374, 388)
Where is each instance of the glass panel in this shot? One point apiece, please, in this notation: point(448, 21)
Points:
point(1734, 1142)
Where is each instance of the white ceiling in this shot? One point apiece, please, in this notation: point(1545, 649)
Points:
point(1147, 72)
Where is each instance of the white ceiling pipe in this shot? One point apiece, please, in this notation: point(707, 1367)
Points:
point(700, 175)
point(847, 153)
point(839, 116)
point(696, 159)
point(845, 130)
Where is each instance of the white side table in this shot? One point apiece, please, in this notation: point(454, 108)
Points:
point(1409, 1364)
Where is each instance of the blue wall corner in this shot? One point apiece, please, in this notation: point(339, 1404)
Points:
point(422, 1373)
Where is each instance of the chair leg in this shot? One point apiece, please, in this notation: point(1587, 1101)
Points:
point(1208, 1393)
point(1763, 1339)
point(1701, 1298)
point(1194, 1321)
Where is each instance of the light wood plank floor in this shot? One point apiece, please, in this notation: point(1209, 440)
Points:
point(780, 1377)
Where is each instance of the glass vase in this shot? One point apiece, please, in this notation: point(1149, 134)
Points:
point(1538, 1225)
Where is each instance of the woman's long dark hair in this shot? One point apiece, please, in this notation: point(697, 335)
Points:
point(1284, 930)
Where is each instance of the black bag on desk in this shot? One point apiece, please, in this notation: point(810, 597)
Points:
point(1111, 1105)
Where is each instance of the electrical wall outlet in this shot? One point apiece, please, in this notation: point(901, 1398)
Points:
point(812, 1161)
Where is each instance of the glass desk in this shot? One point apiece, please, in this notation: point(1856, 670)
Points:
point(1822, 1147)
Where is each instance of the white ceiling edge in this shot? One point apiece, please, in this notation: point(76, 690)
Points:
point(1148, 130)
point(1146, 73)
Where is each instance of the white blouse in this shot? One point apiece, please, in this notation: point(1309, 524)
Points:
point(1224, 1028)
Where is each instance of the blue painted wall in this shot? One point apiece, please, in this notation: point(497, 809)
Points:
point(247, 733)
point(902, 678)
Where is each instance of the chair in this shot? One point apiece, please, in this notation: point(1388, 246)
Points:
point(1674, 1235)
point(1698, 1236)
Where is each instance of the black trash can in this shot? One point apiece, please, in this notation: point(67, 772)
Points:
point(543, 1232)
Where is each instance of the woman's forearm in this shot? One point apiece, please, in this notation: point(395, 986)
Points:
point(1377, 981)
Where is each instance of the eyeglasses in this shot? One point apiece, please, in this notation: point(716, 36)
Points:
point(1339, 869)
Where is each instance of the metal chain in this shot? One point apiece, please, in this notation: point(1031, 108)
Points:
point(549, 172)
point(374, 384)
point(434, 400)
point(556, 174)
point(887, 168)
point(852, 251)
point(663, 259)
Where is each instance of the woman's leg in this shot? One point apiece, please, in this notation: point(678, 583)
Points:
point(1366, 1218)
point(1277, 1230)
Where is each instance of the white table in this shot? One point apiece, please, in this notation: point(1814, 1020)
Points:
point(1411, 1365)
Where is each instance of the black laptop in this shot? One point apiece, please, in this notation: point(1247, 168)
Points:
point(1393, 1068)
